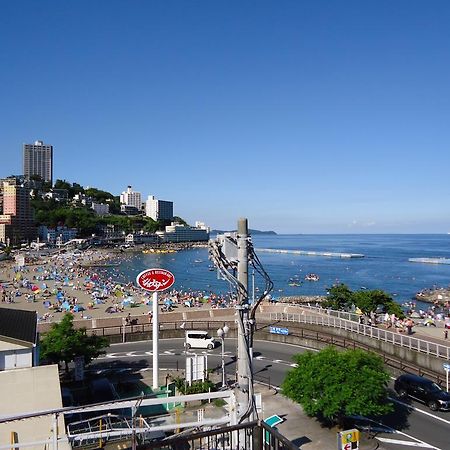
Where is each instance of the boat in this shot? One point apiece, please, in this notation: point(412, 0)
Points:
point(312, 277)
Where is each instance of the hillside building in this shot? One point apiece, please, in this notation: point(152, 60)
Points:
point(38, 160)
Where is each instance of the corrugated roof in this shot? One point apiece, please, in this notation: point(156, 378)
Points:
point(18, 324)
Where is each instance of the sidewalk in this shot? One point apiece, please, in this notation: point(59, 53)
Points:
point(305, 432)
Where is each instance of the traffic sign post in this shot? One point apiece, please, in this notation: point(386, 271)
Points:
point(155, 280)
point(348, 439)
point(446, 367)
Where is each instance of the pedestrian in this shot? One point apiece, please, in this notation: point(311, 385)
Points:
point(409, 326)
point(446, 334)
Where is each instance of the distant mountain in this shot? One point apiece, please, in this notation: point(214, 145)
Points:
point(250, 232)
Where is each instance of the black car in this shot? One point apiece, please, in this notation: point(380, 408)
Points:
point(424, 390)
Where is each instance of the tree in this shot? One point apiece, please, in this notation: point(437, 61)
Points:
point(370, 301)
point(64, 343)
point(339, 297)
point(332, 385)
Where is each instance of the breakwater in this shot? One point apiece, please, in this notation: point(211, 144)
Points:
point(430, 260)
point(310, 253)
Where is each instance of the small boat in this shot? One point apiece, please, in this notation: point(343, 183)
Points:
point(312, 277)
point(198, 261)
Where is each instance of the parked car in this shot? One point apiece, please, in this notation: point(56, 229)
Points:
point(199, 339)
point(424, 390)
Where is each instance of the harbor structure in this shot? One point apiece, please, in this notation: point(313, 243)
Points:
point(131, 198)
point(158, 209)
point(16, 220)
point(177, 232)
point(38, 161)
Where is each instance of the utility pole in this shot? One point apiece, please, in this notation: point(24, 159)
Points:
point(244, 372)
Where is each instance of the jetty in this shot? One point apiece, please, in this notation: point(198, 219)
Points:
point(430, 260)
point(310, 253)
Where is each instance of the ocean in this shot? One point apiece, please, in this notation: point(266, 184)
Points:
point(385, 264)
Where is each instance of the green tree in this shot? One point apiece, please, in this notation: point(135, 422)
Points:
point(63, 343)
point(370, 301)
point(332, 385)
point(339, 297)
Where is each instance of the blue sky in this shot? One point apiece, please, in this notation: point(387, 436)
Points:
point(304, 116)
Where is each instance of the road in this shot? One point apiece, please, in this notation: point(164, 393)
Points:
point(420, 427)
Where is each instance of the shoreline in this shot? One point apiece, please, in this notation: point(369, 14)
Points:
point(80, 278)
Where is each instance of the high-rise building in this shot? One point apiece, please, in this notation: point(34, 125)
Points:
point(158, 209)
point(131, 198)
point(38, 160)
point(16, 220)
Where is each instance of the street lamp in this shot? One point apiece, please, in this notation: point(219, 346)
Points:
point(221, 333)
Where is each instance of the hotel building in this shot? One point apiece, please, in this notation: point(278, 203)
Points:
point(158, 209)
point(16, 220)
point(38, 160)
point(131, 198)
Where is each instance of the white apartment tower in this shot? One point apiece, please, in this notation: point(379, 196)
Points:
point(131, 198)
point(38, 160)
point(158, 209)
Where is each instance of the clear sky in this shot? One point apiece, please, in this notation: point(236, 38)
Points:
point(306, 116)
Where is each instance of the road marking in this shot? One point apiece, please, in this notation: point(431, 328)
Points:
point(259, 357)
point(420, 410)
point(408, 443)
point(394, 431)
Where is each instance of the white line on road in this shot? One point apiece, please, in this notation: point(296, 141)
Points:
point(420, 410)
point(408, 443)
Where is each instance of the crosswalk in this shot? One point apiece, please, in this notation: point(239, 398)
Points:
point(177, 352)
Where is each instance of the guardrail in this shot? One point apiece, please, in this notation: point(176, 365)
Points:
point(412, 343)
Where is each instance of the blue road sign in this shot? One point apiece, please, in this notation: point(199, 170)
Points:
point(279, 330)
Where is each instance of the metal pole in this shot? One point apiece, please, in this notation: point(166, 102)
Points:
point(123, 329)
point(244, 375)
point(446, 377)
point(55, 431)
point(155, 323)
point(223, 364)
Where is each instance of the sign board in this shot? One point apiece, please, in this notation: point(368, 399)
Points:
point(153, 280)
point(446, 366)
point(279, 330)
point(272, 421)
point(258, 402)
point(348, 439)
point(196, 367)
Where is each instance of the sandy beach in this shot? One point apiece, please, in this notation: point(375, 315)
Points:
point(68, 282)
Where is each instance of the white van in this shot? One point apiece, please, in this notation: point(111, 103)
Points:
point(199, 339)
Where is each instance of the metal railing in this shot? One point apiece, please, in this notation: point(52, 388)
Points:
point(409, 342)
point(254, 435)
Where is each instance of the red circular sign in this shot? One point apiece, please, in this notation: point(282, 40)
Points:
point(155, 279)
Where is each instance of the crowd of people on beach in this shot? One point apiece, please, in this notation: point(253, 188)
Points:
point(72, 283)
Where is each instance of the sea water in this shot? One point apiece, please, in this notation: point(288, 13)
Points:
point(385, 264)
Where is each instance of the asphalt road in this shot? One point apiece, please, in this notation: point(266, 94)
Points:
point(412, 425)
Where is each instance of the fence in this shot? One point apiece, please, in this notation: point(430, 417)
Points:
point(254, 435)
point(412, 343)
